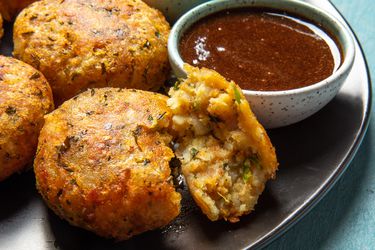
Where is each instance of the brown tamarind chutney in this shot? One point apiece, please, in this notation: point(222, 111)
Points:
point(261, 49)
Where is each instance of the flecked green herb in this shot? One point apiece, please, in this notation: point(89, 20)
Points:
point(10, 110)
point(147, 44)
point(35, 76)
point(160, 116)
point(255, 161)
point(146, 161)
point(193, 152)
point(246, 172)
point(176, 85)
point(237, 94)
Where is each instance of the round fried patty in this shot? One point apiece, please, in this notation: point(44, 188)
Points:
point(225, 153)
point(25, 97)
point(80, 44)
point(103, 162)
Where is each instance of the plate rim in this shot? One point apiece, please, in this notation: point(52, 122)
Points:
point(330, 182)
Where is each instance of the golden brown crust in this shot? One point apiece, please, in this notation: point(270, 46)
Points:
point(25, 97)
point(225, 153)
point(10, 8)
point(103, 162)
point(80, 44)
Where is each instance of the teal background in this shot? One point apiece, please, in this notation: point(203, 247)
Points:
point(345, 217)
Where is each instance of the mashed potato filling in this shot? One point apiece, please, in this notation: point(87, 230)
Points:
point(225, 153)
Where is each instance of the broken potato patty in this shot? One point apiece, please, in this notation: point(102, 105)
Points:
point(103, 162)
point(25, 97)
point(225, 153)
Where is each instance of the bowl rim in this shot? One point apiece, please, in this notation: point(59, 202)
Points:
point(347, 39)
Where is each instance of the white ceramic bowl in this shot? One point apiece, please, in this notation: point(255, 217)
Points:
point(278, 108)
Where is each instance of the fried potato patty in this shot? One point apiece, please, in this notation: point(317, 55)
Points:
point(103, 162)
point(225, 153)
point(25, 97)
point(10, 8)
point(80, 44)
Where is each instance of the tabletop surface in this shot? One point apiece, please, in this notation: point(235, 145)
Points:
point(345, 217)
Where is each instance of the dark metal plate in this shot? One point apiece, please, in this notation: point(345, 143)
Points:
point(313, 154)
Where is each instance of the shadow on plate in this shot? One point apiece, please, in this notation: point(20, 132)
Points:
point(6, 44)
point(326, 131)
point(335, 208)
point(16, 192)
